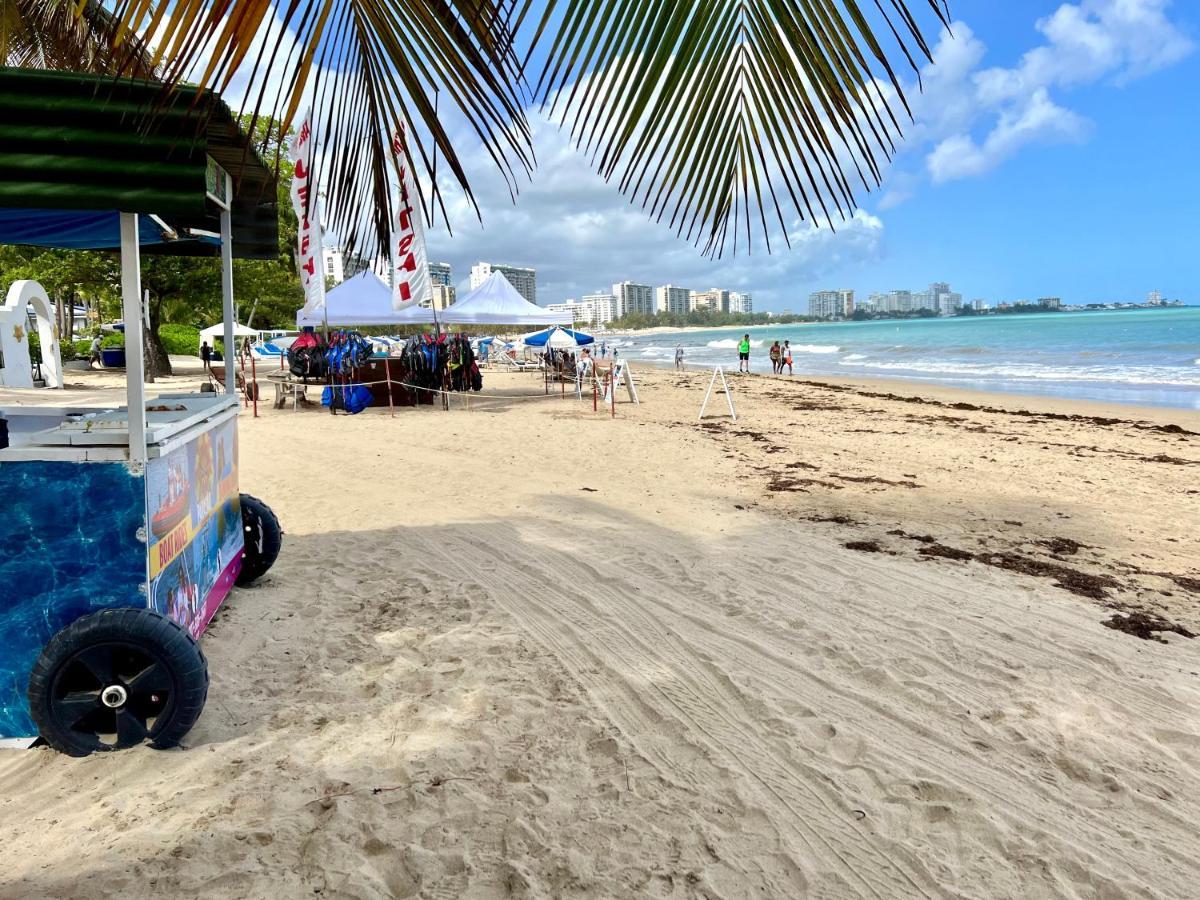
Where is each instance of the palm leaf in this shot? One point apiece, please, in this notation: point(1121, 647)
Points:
point(66, 35)
point(368, 67)
point(719, 114)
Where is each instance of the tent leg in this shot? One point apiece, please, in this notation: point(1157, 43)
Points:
point(135, 354)
point(227, 298)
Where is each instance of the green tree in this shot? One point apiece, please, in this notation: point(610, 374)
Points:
point(268, 292)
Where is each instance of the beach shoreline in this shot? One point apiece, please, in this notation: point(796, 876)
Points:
point(105, 387)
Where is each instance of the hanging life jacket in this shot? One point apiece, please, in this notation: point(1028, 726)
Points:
point(306, 357)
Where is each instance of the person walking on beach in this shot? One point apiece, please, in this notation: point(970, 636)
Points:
point(679, 357)
point(744, 354)
point(95, 353)
point(786, 359)
point(206, 355)
point(775, 358)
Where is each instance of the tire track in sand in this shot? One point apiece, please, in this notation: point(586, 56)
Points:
point(644, 674)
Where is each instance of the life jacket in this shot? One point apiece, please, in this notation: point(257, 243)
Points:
point(306, 357)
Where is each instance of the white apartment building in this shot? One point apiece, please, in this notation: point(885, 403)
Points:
point(831, 304)
point(443, 295)
point(715, 299)
point(671, 298)
point(524, 280)
point(339, 265)
point(900, 301)
point(633, 298)
point(439, 273)
point(740, 302)
point(949, 303)
point(593, 309)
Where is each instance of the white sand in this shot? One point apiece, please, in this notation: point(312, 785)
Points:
point(633, 690)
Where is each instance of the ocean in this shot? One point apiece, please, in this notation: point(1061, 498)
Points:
point(1149, 357)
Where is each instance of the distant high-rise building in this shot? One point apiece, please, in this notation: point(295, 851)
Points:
point(634, 299)
point(1050, 302)
point(340, 265)
point(524, 280)
point(949, 303)
point(715, 300)
point(979, 305)
point(672, 299)
point(443, 295)
point(439, 273)
point(592, 309)
point(831, 304)
point(900, 301)
point(741, 302)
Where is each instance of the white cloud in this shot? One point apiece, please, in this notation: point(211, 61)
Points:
point(582, 235)
point(971, 119)
point(1038, 120)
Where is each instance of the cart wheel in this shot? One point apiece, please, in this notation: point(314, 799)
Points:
point(115, 679)
point(264, 538)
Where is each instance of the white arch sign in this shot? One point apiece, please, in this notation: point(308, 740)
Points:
point(16, 367)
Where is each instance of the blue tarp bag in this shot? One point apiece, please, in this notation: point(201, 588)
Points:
point(353, 399)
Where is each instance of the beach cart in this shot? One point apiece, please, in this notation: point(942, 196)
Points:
point(122, 528)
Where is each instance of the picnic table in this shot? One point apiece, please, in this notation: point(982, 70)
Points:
point(287, 386)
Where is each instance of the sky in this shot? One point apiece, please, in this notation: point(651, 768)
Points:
point(1053, 154)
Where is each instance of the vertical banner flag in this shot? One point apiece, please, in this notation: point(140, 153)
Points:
point(309, 260)
point(410, 264)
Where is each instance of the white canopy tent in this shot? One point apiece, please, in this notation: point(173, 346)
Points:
point(496, 302)
point(364, 299)
point(218, 331)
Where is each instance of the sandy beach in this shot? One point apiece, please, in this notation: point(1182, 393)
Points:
point(852, 645)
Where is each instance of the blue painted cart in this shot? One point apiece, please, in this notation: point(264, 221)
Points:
point(122, 529)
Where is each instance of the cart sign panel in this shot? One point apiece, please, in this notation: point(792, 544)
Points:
point(70, 545)
point(195, 531)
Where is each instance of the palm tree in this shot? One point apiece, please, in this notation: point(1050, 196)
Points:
point(42, 34)
point(723, 118)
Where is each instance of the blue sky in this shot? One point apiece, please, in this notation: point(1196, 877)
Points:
point(1053, 155)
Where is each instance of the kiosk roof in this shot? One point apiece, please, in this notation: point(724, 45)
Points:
point(98, 144)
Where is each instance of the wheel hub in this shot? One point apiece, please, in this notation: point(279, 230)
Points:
point(114, 697)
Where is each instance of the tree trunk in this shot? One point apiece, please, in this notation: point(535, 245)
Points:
point(157, 360)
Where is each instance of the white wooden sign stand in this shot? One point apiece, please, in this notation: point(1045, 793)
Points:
point(718, 371)
point(622, 373)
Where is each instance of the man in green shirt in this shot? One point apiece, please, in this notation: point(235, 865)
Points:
point(744, 354)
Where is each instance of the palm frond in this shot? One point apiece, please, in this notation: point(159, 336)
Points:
point(66, 35)
point(367, 66)
point(718, 115)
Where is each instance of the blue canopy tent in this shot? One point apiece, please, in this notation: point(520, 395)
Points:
point(542, 338)
point(86, 229)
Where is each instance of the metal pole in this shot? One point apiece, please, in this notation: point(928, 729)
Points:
point(135, 352)
point(254, 381)
point(227, 298)
point(387, 367)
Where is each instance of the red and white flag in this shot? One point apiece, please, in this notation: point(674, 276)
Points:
point(410, 263)
point(309, 258)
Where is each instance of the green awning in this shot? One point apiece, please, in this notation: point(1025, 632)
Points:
point(88, 142)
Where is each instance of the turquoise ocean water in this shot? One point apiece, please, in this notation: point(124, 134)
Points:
point(1149, 357)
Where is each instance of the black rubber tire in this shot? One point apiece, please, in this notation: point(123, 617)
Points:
point(264, 539)
point(253, 391)
point(148, 656)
